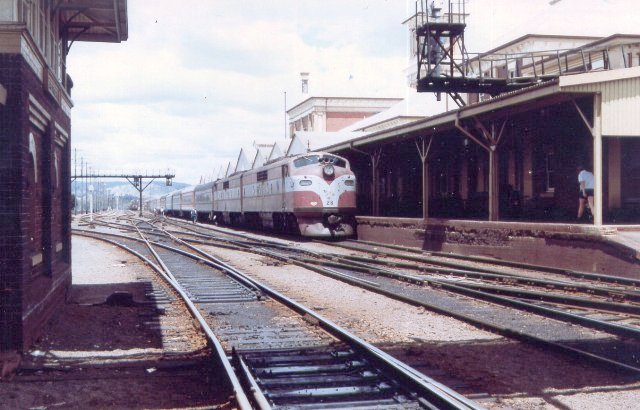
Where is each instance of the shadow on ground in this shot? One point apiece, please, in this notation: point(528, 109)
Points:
point(503, 367)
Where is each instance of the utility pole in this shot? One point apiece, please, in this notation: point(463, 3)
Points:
point(82, 173)
point(75, 185)
point(134, 179)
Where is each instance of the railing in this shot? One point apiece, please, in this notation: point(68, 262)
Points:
point(535, 64)
point(444, 65)
point(516, 67)
point(449, 12)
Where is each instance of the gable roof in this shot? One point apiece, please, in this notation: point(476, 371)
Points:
point(242, 164)
point(262, 153)
point(276, 152)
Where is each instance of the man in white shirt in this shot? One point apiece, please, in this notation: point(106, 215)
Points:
point(585, 179)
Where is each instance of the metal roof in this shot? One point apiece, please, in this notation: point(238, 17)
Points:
point(620, 91)
point(94, 20)
point(522, 98)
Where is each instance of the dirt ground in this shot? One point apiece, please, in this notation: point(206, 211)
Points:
point(95, 354)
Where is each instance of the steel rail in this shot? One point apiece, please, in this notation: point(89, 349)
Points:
point(239, 393)
point(475, 258)
point(240, 396)
point(472, 291)
point(468, 290)
point(444, 395)
point(526, 294)
point(507, 332)
point(335, 260)
point(259, 398)
point(498, 329)
point(504, 277)
point(617, 329)
point(215, 229)
point(565, 348)
point(590, 322)
point(556, 298)
point(248, 241)
point(176, 250)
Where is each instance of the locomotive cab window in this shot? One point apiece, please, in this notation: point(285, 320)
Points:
point(262, 175)
point(225, 185)
point(317, 159)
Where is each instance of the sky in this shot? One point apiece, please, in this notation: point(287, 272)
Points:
point(197, 80)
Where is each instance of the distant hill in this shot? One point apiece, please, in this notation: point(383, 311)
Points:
point(125, 189)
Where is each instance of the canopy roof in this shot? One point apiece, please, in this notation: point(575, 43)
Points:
point(94, 20)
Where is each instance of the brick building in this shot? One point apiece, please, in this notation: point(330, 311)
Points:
point(35, 130)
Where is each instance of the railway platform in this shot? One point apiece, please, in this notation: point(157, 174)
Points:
point(629, 236)
point(609, 249)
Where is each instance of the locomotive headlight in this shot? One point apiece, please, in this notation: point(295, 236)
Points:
point(328, 170)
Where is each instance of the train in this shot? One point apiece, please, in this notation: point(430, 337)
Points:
point(311, 194)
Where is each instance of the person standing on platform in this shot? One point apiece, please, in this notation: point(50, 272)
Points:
point(585, 179)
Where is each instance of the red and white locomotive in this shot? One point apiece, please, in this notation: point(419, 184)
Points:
point(311, 194)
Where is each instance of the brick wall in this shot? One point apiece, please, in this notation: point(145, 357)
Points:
point(339, 120)
point(11, 235)
point(34, 216)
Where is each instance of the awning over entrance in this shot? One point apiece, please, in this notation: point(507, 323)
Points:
point(94, 20)
point(620, 91)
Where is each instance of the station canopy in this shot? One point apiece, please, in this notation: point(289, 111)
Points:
point(94, 20)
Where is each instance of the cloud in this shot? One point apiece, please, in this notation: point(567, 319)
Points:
point(198, 80)
point(194, 83)
point(495, 22)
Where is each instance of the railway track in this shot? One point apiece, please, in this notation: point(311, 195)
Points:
point(607, 305)
point(277, 353)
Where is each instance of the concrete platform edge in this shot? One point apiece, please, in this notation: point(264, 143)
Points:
point(568, 246)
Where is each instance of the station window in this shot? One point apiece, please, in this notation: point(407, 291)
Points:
point(315, 159)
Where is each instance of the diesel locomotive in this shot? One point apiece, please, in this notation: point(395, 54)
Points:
point(311, 194)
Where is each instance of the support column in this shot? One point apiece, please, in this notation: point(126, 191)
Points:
point(491, 146)
point(596, 134)
point(375, 181)
point(140, 200)
point(423, 151)
point(597, 159)
point(494, 190)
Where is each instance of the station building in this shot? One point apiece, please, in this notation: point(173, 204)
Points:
point(35, 160)
point(503, 164)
